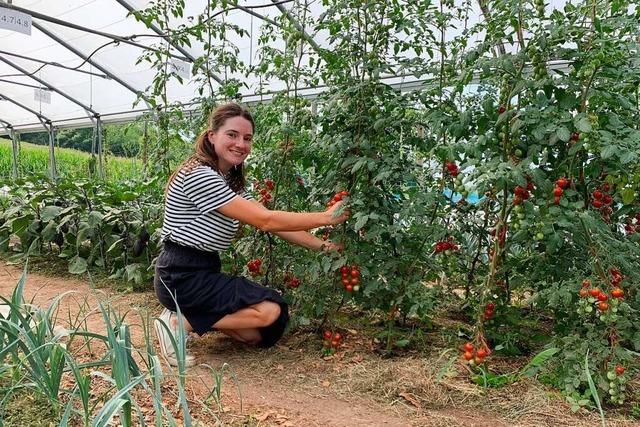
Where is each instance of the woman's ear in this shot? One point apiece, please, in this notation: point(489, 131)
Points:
point(211, 136)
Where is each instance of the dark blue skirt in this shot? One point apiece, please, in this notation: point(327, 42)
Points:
point(205, 295)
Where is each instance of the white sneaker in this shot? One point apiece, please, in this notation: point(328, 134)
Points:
point(164, 339)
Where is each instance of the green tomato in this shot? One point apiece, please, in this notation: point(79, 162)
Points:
point(611, 375)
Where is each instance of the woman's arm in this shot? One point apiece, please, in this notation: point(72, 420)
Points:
point(264, 219)
point(308, 240)
point(303, 238)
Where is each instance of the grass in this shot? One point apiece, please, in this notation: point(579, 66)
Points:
point(33, 159)
point(27, 408)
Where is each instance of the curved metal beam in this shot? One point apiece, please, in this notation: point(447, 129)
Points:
point(53, 64)
point(20, 84)
point(179, 48)
point(114, 37)
point(296, 24)
point(53, 88)
point(87, 59)
point(41, 117)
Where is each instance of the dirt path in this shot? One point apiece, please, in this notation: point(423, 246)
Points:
point(290, 385)
point(265, 395)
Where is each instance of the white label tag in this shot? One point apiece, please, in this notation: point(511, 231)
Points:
point(181, 68)
point(42, 95)
point(15, 21)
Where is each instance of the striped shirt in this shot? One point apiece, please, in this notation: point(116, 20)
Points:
point(191, 217)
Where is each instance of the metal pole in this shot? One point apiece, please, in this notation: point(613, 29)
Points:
point(14, 149)
point(100, 162)
point(114, 37)
point(53, 173)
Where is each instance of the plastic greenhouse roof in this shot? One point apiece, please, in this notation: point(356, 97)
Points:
point(107, 84)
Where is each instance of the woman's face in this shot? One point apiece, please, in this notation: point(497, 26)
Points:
point(232, 142)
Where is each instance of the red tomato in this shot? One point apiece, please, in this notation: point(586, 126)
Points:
point(327, 335)
point(468, 347)
point(617, 293)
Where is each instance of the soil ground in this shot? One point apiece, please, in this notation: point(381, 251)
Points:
point(292, 385)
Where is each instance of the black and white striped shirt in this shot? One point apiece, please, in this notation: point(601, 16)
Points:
point(191, 217)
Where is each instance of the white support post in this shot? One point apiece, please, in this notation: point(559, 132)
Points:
point(53, 173)
point(14, 149)
point(100, 148)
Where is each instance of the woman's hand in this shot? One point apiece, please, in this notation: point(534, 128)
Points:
point(334, 218)
point(329, 246)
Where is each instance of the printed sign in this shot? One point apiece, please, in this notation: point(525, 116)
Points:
point(15, 21)
point(181, 68)
point(42, 95)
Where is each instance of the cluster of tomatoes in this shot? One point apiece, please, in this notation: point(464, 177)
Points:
point(331, 341)
point(632, 224)
point(488, 310)
point(255, 267)
point(337, 197)
point(617, 384)
point(350, 277)
point(521, 193)
point(291, 281)
point(616, 277)
point(265, 188)
point(447, 246)
point(561, 185)
point(607, 305)
point(474, 356)
point(602, 200)
point(452, 168)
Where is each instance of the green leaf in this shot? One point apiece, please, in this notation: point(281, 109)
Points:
point(628, 157)
point(95, 219)
point(361, 222)
point(628, 196)
point(539, 359)
point(592, 387)
point(563, 133)
point(608, 151)
point(84, 232)
point(77, 265)
point(50, 212)
point(582, 124)
point(402, 343)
